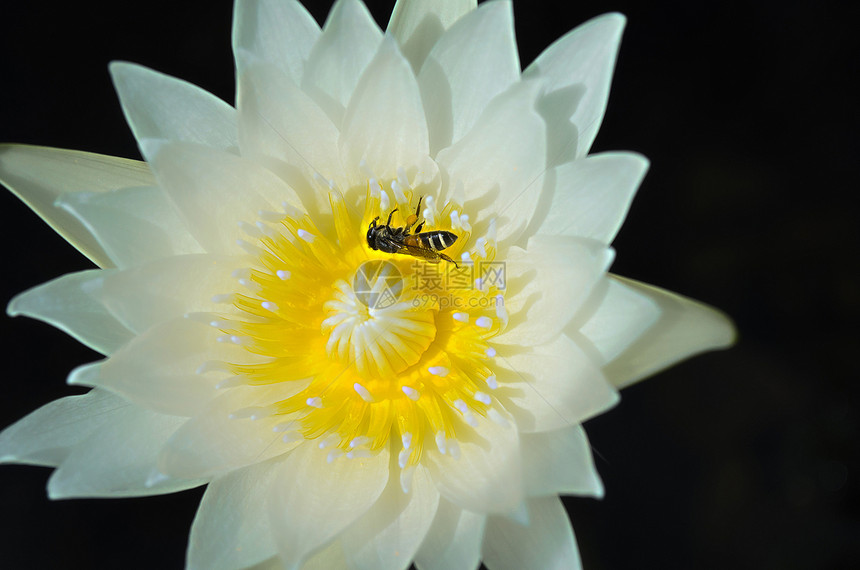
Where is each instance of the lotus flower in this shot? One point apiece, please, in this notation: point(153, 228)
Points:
point(369, 306)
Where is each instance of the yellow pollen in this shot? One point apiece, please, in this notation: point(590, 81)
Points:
point(366, 348)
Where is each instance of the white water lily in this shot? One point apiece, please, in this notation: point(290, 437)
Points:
point(249, 348)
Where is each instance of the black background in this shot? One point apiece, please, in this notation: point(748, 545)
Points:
point(739, 459)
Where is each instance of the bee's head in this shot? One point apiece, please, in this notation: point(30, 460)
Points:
point(372, 229)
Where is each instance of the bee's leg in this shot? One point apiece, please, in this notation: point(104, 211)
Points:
point(410, 221)
point(446, 258)
point(373, 222)
point(388, 223)
point(418, 228)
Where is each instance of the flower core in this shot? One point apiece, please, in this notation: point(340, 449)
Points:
point(366, 347)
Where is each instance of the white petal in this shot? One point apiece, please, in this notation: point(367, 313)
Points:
point(215, 190)
point(592, 195)
point(158, 106)
point(500, 162)
point(454, 540)
point(231, 528)
point(349, 41)
point(118, 460)
point(67, 303)
point(132, 225)
point(389, 534)
point(44, 436)
point(213, 443)
point(546, 542)
point(471, 63)
point(167, 288)
point(38, 175)
point(685, 327)
point(486, 478)
point(417, 24)
point(559, 462)
point(314, 500)
point(281, 122)
point(577, 70)
point(280, 32)
point(158, 369)
point(548, 283)
point(619, 317)
point(551, 386)
point(384, 125)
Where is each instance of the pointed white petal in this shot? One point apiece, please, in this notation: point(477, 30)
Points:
point(418, 24)
point(486, 478)
point(559, 462)
point(577, 70)
point(158, 106)
point(454, 540)
point(389, 534)
point(118, 460)
point(215, 190)
point(500, 162)
point(164, 289)
point(331, 557)
point(158, 369)
point(44, 436)
point(546, 542)
point(349, 41)
point(384, 125)
point(213, 443)
point(231, 528)
point(314, 500)
point(685, 327)
point(551, 386)
point(471, 63)
point(67, 303)
point(132, 225)
point(280, 32)
point(279, 121)
point(592, 195)
point(618, 316)
point(548, 283)
point(38, 175)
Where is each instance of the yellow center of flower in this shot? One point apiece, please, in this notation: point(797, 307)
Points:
point(367, 346)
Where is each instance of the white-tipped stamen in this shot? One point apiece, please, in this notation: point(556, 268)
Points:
point(440, 371)
point(403, 458)
point(315, 402)
point(470, 419)
point(401, 177)
point(464, 222)
point(356, 453)
point(479, 284)
point(491, 382)
point(461, 406)
point(453, 449)
point(250, 229)
point(269, 306)
point(406, 475)
point(440, 441)
point(306, 235)
point(462, 317)
point(399, 196)
point(283, 274)
point(384, 202)
point(266, 230)
point(455, 220)
point(429, 217)
point(466, 257)
point(406, 439)
point(363, 392)
point(497, 417)
point(333, 454)
point(481, 246)
point(483, 398)
point(212, 366)
point(250, 248)
point(284, 426)
point(223, 298)
point(292, 436)
point(359, 441)
point(329, 441)
point(491, 352)
point(366, 169)
point(484, 322)
point(411, 393)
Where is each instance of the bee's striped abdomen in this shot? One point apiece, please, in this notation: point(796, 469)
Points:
point(437, 240)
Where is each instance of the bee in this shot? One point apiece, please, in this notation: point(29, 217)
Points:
point(426, 245)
